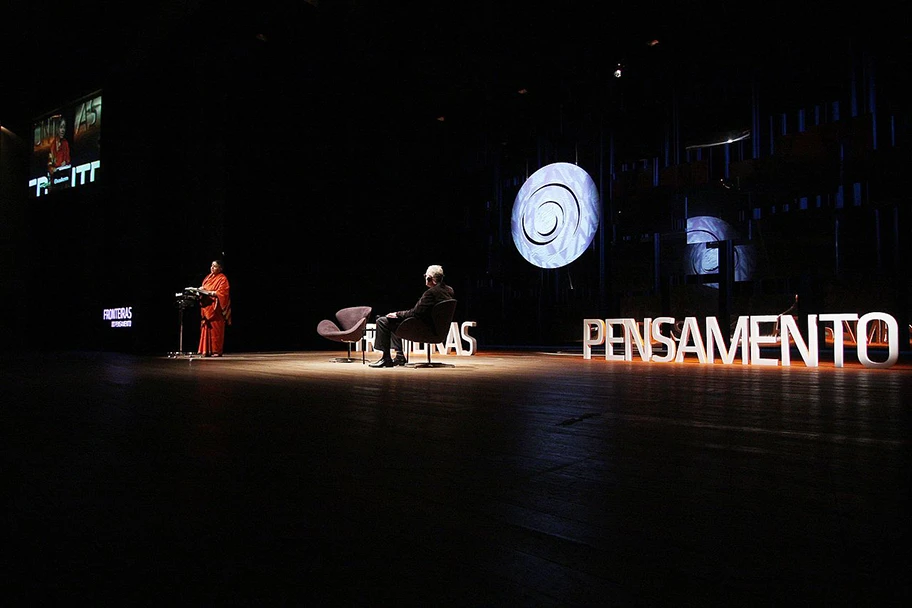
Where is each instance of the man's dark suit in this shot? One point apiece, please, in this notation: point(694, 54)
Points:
point(386, 326)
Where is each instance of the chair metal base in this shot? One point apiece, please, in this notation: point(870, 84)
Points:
point(427, 363)
point(346, 360)
point(349, 358)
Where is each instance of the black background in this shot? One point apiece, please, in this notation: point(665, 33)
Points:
point(300, 142)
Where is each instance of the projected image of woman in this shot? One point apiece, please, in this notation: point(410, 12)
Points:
point(59, 153)
point(215, 310)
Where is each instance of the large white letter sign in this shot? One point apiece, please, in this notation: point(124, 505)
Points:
point(588, 340)
point(789, 331)
point(862, 343)
point(745, 335)
point(668, 341)
point(756, 339)
point(611, 339)
point(838, 337)
point(642, 341)
point(684, 344)
point(464, 331)
point(715, 337)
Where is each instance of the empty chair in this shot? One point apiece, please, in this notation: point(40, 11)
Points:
point(349, 326)
point(418, 330)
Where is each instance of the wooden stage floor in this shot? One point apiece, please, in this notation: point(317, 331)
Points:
point(511, 479)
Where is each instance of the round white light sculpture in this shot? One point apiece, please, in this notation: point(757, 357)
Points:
point(555, 215)
point(700, 259)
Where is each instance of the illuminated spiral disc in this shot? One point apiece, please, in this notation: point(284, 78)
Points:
point(555, 215)
point(699, 259)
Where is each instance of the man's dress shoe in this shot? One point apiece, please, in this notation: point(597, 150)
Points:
point(399, 361)
point(382, 363)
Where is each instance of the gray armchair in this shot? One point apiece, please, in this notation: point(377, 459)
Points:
point(418, 330)
point(348, 326)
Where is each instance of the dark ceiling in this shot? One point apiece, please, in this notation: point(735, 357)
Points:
point(420, 60)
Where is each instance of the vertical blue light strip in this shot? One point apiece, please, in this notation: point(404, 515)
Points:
point(853, 92)
point(872, 101)
point(727, 158)
point(772, 135)
point(755, 124)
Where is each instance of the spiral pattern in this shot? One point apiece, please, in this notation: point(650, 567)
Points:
point(555, 215)
point(699, 259)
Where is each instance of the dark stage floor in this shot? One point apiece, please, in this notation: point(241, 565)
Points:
point(511, 479)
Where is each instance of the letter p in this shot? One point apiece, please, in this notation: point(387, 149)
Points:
point(590, 340)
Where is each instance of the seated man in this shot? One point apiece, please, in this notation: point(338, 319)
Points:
point(437, 291)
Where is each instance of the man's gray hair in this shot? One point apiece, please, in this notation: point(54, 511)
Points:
point(435, 271)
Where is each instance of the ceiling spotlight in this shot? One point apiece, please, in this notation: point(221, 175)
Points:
point(523, 91)
point(441, 118)
point(652, 42)
point(618, 71)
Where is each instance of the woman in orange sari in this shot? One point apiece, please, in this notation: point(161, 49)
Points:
point(215, 310)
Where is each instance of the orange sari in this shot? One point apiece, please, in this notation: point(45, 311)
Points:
point(216, 314)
